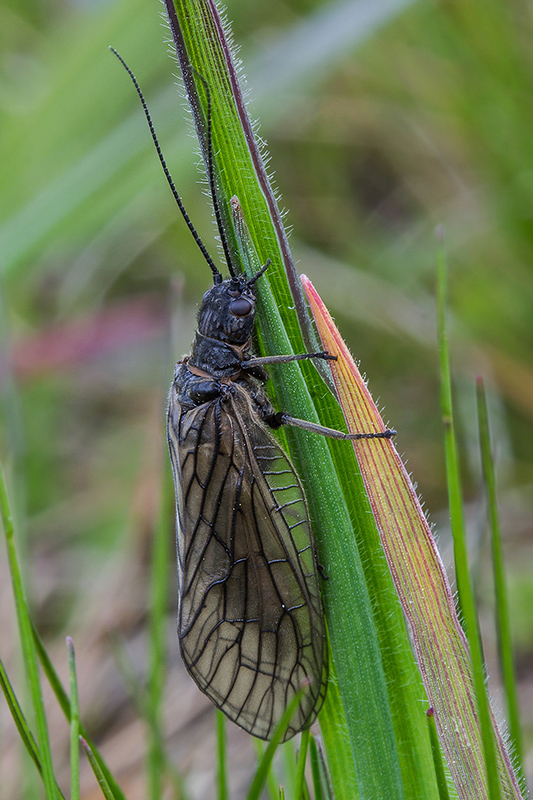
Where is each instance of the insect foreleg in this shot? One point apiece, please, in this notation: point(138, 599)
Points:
point(256, 362)
point(279, 419)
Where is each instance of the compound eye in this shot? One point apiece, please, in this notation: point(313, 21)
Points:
point(240, 307)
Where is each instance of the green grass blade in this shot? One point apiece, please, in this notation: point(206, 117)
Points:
point(437, 757)
point(267, 757)
point(505, 646)
point(98, 772)
point(19, 719)
point(222, 772)
point(289, 766)
point(302, 759)
point(74, 724)
point(320, 785)
point(272, 783)
point(28, 647)
point(64, 704)
point(334, 728)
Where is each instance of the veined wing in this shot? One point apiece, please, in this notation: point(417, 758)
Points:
point(250, 621)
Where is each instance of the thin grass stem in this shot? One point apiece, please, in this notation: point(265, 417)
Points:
point(503, 628)
point(266, 759)
point(64, 704)
point(19, 719)
point(316, 773)
point(222, 772)
point(436, 752)
point(300, 771)
point(464, 586)
point(74, 724)
point(99, 775)
point(28, 646)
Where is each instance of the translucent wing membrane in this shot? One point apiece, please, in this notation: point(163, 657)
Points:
point(250, 622)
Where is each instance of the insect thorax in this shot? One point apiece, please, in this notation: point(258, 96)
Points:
point(217, 358)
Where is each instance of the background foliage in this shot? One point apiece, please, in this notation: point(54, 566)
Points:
point(427, 119)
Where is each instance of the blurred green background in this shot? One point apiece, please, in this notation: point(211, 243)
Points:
point(383, 118)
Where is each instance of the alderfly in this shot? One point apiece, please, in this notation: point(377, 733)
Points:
point(250, 621)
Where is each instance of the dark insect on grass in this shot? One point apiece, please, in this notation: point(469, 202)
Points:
point(250, 622)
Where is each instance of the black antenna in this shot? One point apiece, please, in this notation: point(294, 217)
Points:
point(211, 175)
point(216, 273)
point(260, 272)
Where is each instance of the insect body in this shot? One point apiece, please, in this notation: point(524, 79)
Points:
point(250, 621)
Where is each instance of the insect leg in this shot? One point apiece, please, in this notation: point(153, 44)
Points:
point(257, 362)
point(279, 419)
